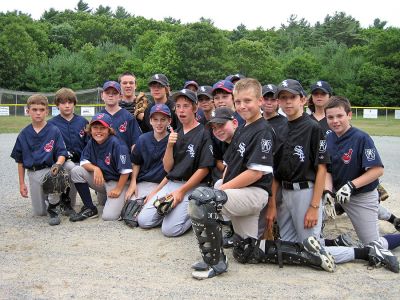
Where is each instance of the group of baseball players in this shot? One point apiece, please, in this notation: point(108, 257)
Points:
point(235, 154)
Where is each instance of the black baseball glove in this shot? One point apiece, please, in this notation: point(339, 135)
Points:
point(131, 210)
point(56, 181)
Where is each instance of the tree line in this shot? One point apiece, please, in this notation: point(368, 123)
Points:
point(82, 48)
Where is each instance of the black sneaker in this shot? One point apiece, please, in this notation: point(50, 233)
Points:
point(53, 214)
point(378, 257)
point(396, 223)
point(85, 213)
point(227, 238)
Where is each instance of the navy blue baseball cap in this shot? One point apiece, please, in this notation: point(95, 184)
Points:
point(234, 77)
point(112, 84)
point(323, 86)
point(291, 86)
point(102, 118)
point(225, 85)
point(191, 82)
point(159, 78)
point(186, 93)
point(205, 90)
point(160, 108)
point(269, 89)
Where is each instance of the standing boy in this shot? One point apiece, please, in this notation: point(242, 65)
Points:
point(72, 128)
point(38, 149)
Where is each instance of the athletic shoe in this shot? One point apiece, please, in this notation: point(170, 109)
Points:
point(212, 271)
point(200, 266)
point(65, 206)
point(85, 213)
point(313, 246)
point(53, 214)
point(227, 238)
point(378, 257)
point(345, 240)
point(396, 223)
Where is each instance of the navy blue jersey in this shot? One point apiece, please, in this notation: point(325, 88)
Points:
point(201, 117)
point(323, 123)
point(251, 145)
point(192, 151)
point(351, 155)
point(126, 127)
point(39, 150)
point(148, 153)
point(302, 150)
point(175, 123)
point(238, 117)
point(73, 132)
point(112, 157)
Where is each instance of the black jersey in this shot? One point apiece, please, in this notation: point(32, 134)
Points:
point(324, 125)
point(251, 146)
point(303, 149)
point(192, 151)
point(279, 124)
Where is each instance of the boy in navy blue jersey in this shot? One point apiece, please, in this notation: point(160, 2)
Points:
point(187, 160)
point(72, 128)
point(125, 125)
point(147, 167)
point(38, 148)
point(105, 167)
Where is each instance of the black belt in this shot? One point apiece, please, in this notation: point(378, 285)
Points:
point(297, 185)
point(37, 168)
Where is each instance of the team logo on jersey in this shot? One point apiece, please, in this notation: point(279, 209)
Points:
point(122, 158)
point(49, 146)
point(328, 132)
point(82, 133)
point(266, 145)
point(190, 150)
point(298, 150)
point(122, 127)
point(242, 149)
point(346, 157)
point(107, 160)
point(211, 149)
point(213, 114)
point(322, 146)
point(370, 154)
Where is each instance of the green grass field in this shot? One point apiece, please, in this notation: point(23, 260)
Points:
point(378, 127)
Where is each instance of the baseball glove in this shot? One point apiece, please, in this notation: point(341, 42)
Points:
point(383, 194)
point(164, 205)
point(56, 181)
point(141, 104)
point(131, 210)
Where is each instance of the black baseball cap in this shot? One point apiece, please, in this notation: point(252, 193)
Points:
point(234, 77)
point(291, 86)
point(186, 93)
point(323, 86)
point(269, 88)
point(221, 115)
point(160, 78)
point(205, 90)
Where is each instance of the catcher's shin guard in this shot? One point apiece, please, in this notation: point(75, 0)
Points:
point(204, 207)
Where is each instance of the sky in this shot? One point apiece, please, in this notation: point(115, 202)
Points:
point(229, 14)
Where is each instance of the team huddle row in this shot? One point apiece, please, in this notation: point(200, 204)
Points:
point(217, 154)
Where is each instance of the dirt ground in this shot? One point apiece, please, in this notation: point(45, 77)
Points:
point(108, 260)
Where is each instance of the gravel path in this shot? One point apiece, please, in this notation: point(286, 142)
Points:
point(97, 259)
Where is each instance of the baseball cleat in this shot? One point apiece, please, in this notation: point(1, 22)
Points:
point(396, 223)
point(345, 240)
point(378, 257)
point(212, 271)
point(313, 246)
point(85, 213)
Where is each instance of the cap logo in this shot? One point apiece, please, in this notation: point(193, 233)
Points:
point(203, 89)
point(284, 83)
point(213, 113)
point(270, 86)
point(183, 91)
point(319, 83)
point(156, 76)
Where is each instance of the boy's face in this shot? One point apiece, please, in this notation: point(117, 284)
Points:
point(320, 98)
point(99, 132)
point(110, 96)
point(247, 105)
point(338, 120)
point(291, 104)
point(158, 91)
point(269, 104)
point(128, 85)
point(66, 108)
point(37, 112)
point(160, 122)
point(224, 132)
point(223, 99)
point(205, 103)
point(185, 110)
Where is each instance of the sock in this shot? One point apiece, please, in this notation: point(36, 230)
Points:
point(361, 253)
point(391, 219)
point(329, 243)
point(393, 240)
point(84, 192)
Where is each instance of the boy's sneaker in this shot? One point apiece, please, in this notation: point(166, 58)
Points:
point(313, 246)
point(379, 256)
point(227, 238)
point(345, 240)
point(85, 213)
point(212, 271)
point(396, 223)
point(53, 214)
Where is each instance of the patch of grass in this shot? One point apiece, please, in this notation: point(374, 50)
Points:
point(377, 127)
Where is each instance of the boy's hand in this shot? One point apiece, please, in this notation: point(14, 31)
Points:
point(132, 190)
point(270, 216)
point(311, 217)
point(55, 169)
point(114, 193)
point(178, 197)
point(98, 177)
point(23, 190)
point(173, 137)
point(343, 195)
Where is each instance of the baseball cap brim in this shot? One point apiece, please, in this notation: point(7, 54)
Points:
point(177, 94)
point(219, 120)
point(294, 92)
point(161, 112)
point(105, 124)
point(320, 88)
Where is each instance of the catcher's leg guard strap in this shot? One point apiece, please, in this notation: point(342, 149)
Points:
point(208, 231)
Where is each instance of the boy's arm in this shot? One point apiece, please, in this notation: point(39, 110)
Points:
point(328, 182)
point(23, 190)
point(156, 190)
point(115, 192)
point(132, 190)
point(244, 179)
point(371, 175)
point(311, 217)
point(168, 159)
point(193, 181)
point(270, 214)
point(220, 165)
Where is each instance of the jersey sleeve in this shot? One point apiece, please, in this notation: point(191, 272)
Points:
point(136, 131)
point(16, 153)
point(61, 150)
point(318, 149)
point(206, 152)
point(370, 156)
point(87, 153)
point(122, 159)
point(261, 155)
